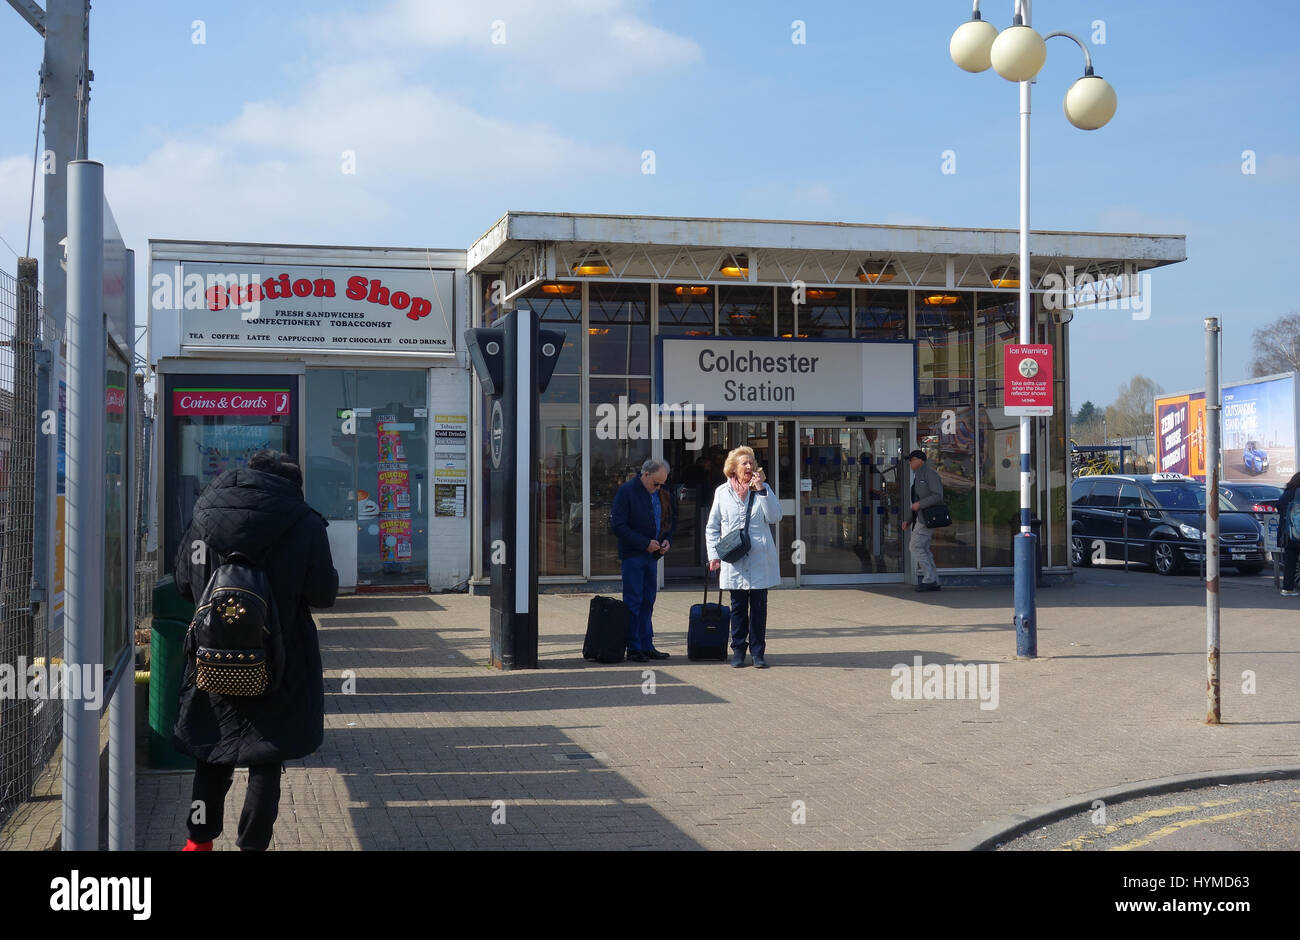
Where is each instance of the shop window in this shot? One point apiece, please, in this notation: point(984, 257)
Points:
point(745, 311)
point(561, 312)
point(620, 443)
point(686, 309)
point(618, 329)
point(945, 430)
point(559, 475)
point(945, 334)
point(1058, 483)
point(824, 314)
point(881, 314)
point(367, 471)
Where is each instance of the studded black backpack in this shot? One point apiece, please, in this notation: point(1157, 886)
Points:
point(235, 640)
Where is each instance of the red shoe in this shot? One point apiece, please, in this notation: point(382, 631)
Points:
point(192, 846)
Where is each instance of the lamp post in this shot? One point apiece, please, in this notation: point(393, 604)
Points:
point(1017, 53)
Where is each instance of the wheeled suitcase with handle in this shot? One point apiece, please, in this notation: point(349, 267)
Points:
point(710, 627)
point(607, 623)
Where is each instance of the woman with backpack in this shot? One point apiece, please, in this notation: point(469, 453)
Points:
point(1286, 541)
point(257, 512)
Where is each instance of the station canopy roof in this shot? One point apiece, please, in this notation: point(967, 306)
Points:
point(526, 248)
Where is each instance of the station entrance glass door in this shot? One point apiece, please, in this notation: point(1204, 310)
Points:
point(850, 502)
point(695, 474)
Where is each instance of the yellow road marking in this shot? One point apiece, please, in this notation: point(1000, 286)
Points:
point(1078, 842)
point(1182, 824)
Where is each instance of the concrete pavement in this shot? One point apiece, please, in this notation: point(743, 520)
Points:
point(431, 749)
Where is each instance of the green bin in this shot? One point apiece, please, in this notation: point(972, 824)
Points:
point(171, 618)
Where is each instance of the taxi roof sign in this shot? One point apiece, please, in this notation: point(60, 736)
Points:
point(1170, 476)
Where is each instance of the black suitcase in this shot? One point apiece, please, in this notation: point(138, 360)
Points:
point(710, 627)
point(607, 624)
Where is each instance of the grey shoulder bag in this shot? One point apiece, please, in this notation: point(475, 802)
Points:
point(735, 544)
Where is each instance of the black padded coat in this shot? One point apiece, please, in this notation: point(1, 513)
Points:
point(260, 514)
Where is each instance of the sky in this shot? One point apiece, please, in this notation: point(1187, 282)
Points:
point(229, 121)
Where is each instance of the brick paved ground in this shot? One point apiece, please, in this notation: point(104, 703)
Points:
point(416, 757)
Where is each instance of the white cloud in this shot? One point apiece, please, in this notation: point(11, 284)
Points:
point(570, 43)
point(272, 170)
point(275, 170)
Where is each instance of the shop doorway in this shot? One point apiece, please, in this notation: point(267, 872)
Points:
point(367, 473)
point(850, 503)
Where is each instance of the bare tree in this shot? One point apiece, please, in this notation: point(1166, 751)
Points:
point(1133, 412)
point(1276, 347)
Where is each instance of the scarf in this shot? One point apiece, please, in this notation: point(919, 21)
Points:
point(740, 489)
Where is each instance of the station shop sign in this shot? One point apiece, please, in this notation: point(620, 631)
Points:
point(789, 377)
point(309, 308)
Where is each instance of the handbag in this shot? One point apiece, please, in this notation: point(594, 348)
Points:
point(936, 516)
point(735, 544)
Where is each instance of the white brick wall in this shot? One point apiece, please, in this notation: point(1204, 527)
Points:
point(449, 542)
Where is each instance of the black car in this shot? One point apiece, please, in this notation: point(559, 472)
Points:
point(1161, 517)
point(1258, 498)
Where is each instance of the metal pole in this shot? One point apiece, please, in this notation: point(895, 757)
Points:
point(66, 57)
point(1026, 541)
point(121, 711)
point(84, 622)
point(1212, 407)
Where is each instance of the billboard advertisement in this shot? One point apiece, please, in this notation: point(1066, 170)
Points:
point(1180, 434)
point(1259, 428)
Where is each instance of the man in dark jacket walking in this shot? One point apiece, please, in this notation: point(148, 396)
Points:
point(643, 519)
point(260, 512)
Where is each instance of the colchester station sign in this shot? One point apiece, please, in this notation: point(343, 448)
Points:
point(796, 377)
point(309, 309)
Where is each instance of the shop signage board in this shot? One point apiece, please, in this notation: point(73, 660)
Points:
point(1027, 380)
point(450, 464)
point(230, 401)
point(730, 376)
point(310, 309)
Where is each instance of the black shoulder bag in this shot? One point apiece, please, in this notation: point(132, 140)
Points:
point(936, 516)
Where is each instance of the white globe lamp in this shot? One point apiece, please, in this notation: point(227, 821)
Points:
point(1018, 53)
point(1090, 103)
point(971, 43)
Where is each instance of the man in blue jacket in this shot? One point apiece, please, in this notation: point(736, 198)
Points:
point(643, 521)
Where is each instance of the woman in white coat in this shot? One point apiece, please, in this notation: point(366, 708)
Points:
point(748, 578)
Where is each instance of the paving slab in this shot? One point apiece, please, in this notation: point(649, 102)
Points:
point(432, 749)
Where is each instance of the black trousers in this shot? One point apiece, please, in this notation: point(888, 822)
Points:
point(749, 621)
point(1290, 558)
point(261, 803)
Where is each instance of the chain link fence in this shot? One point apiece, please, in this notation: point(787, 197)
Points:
point(29, 729)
